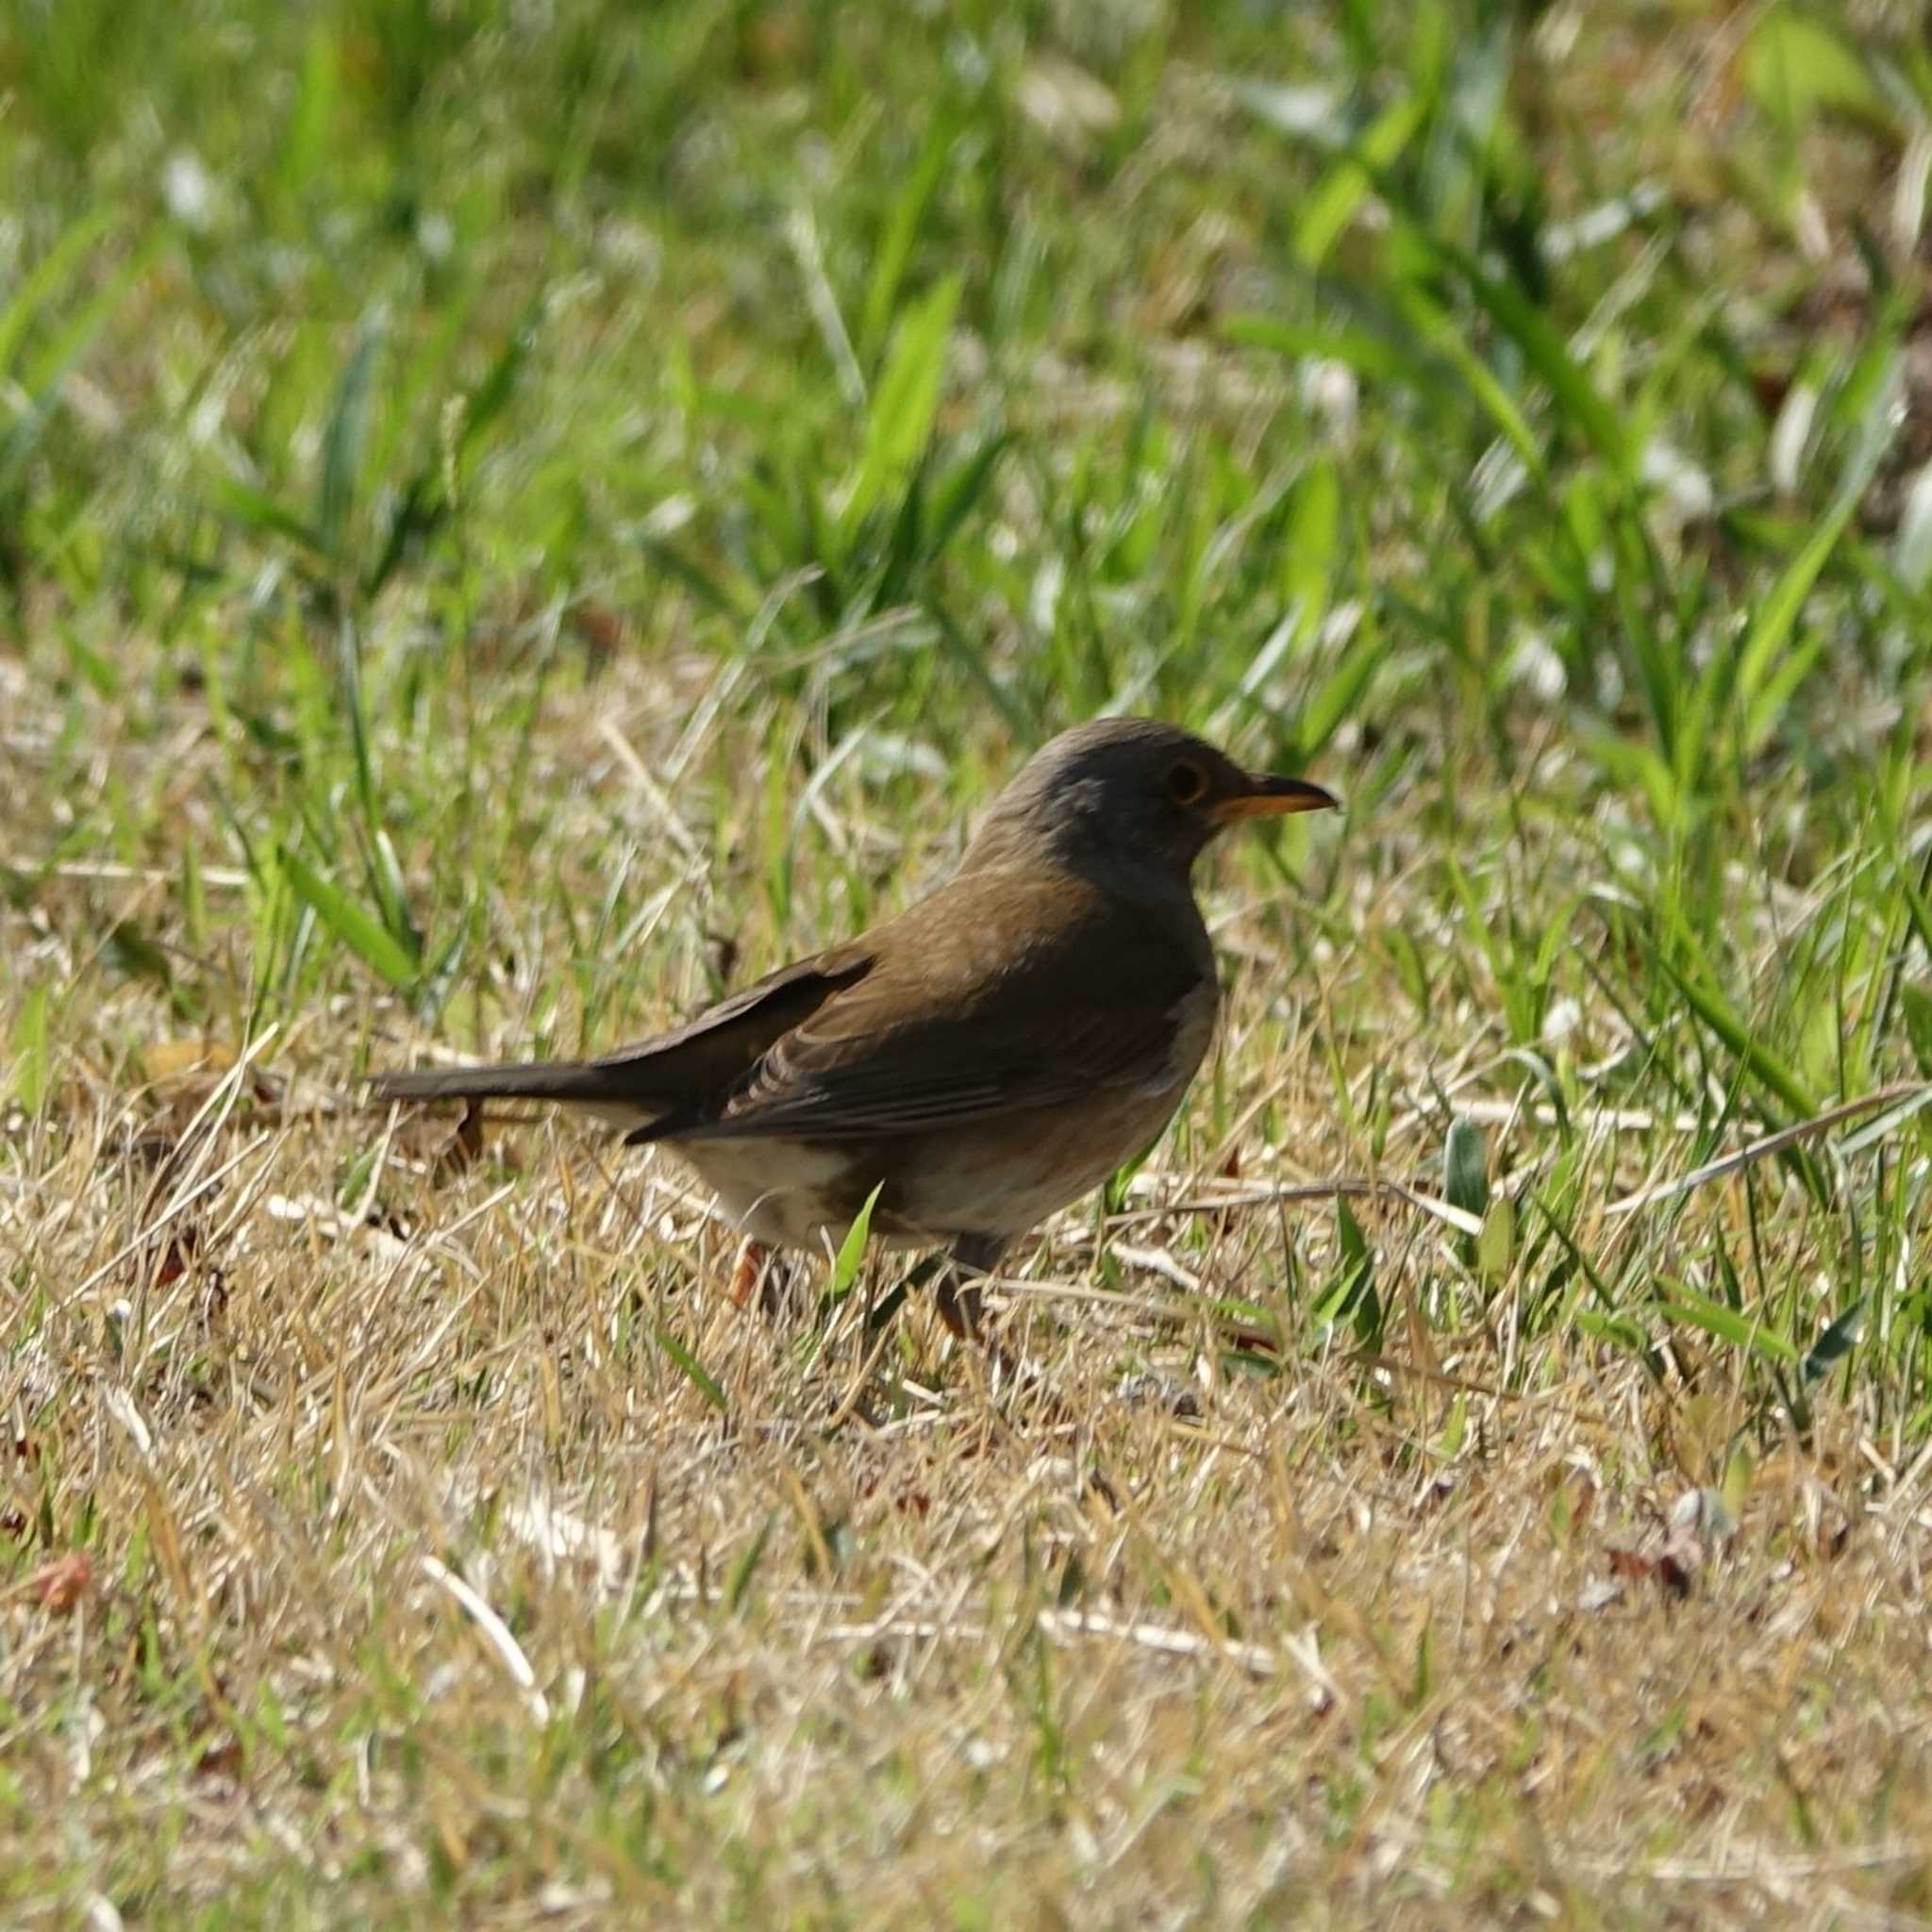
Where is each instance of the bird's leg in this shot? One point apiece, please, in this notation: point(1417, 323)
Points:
point(751, 1257)
point(960, 1298)
point(754, 1276)
point(762, 1271)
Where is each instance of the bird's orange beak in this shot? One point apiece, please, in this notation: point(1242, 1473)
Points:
point(1268, 797)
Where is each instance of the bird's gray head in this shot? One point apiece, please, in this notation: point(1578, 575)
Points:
point(1132, 797)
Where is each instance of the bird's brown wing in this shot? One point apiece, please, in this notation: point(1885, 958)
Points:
point(1001, 994)
point(694, 1065)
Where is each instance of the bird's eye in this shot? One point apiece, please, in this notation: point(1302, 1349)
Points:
point(1186, 783)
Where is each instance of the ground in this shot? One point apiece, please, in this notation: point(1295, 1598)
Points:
point(514, 521)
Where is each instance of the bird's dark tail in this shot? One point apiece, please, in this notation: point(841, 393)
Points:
point(575, 1083)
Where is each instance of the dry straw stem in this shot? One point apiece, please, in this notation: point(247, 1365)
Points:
point(1903, 1097)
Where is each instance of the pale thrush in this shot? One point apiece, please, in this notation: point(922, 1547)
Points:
point(985, 1058)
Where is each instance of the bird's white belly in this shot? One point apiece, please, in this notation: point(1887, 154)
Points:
point(1006, 1181)
point(785, 1193)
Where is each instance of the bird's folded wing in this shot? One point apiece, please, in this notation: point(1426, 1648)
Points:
point(706, 1058)
point(968, 1028)
point(716, 1048)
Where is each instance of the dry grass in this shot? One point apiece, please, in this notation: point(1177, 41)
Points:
point(401, 1550)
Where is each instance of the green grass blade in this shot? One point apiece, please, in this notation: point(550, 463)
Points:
point(1441, 331)
point(1546, 352)
point(1332, 204)
point(1727, 1325)
point(1764, 1066)
point(342, 440)
point(44, 282)
point(903, 406)
point(851, 1255)
point(1336, 699)
point(368, 938)
point(1836, 1340)
point(1466, 1167)
point(738, 1583)
point(900, 231)
point(694, 1371)
point(1771, 622)
point(1357, 348)
point(33, 1060)
point(255, 509)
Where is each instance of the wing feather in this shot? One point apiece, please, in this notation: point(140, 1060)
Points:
point(689, 1067)
point(960, 1019)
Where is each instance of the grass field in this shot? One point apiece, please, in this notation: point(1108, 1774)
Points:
point(514, 520)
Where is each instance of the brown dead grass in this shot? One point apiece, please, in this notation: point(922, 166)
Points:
point(389, 1551)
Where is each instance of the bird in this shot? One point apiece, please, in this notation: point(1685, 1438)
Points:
point(975, 1063)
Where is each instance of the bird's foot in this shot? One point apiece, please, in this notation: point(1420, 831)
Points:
point(762, 1274)
point(957, 1280)
point(960, 1305)
point(753, 1258)
point(961, 1295)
